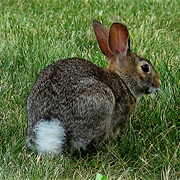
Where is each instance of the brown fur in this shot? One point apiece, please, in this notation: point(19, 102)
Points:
point(91, 102)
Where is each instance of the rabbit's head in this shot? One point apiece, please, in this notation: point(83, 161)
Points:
point(138, 73)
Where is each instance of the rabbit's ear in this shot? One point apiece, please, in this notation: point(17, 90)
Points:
point(119, 40)
point(102, 39)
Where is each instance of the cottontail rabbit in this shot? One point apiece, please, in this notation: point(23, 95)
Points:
point(74, 103)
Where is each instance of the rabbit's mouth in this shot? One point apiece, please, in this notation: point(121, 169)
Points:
point(151, 90)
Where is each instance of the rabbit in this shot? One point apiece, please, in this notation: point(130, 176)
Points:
point(75, 104)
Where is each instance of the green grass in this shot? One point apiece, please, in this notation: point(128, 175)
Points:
point(36, 33)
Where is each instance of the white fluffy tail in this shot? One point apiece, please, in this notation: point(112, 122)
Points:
point(49, 137)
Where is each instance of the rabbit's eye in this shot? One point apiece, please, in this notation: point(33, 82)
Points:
point(145, 68)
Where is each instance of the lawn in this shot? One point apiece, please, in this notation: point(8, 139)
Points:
point(35, 33)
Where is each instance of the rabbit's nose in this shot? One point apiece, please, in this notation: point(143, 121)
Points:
point(157, 82)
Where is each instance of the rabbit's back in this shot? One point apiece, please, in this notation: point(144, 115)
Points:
point(67, 85)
